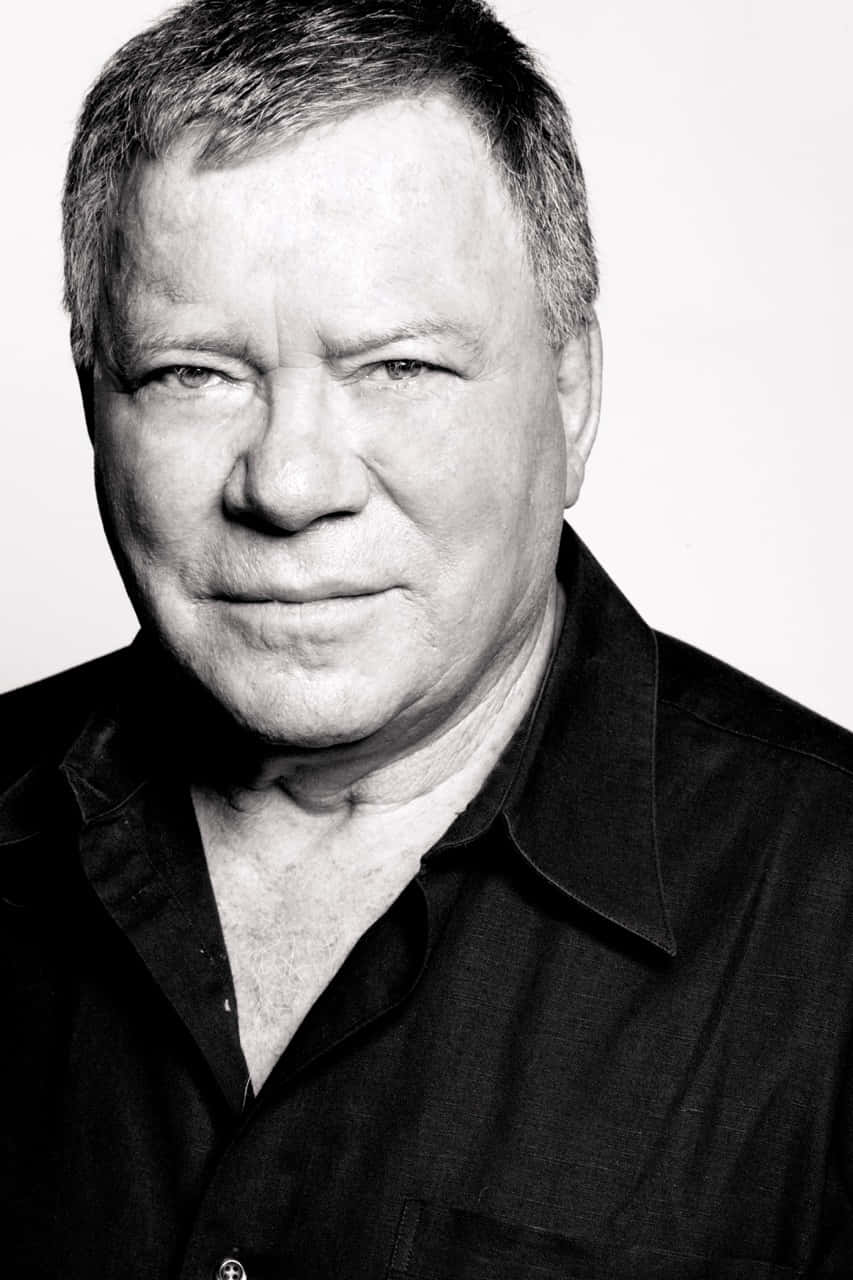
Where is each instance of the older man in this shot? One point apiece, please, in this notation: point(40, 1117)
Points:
point(396, 905)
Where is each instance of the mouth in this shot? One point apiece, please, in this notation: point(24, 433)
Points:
point(284, 617)
point(308, 595)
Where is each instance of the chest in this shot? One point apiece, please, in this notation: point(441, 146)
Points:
point(289, 925)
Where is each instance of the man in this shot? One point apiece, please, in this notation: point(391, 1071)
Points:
point(396, 905)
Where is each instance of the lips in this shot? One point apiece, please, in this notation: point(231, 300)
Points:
point(304, 594)
point(319, 616)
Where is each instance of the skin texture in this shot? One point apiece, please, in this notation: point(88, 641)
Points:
point(332, 444)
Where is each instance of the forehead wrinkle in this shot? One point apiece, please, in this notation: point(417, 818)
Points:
point(167, 276)
point(132, 277)
point(133, 339)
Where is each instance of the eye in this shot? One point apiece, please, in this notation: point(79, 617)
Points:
point(178, 382)
point(189, 377)
point(398, 370)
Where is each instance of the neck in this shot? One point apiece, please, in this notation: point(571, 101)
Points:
point(449, 764)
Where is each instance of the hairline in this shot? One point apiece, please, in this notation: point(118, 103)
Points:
point(241, 103)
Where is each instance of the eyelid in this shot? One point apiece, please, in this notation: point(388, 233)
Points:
point(155, 373)
point(165, 376)
point(149, 363)
point(206, 366)
point(422, 361)
point(420, 367)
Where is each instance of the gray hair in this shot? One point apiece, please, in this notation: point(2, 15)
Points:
point(251, 73)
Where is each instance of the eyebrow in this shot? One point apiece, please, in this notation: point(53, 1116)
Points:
point(129, 344)
point(439, 327)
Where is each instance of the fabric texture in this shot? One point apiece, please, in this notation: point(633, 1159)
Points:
point(603, 1033)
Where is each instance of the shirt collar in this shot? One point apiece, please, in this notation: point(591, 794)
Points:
point(581, 808)
point(575, 786)
point(117, 751)
point(101, 765)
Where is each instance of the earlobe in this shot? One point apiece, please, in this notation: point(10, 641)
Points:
point(579, 390)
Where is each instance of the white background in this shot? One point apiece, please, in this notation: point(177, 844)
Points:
point(717, 139)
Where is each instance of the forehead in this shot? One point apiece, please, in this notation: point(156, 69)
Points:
point(399, 200)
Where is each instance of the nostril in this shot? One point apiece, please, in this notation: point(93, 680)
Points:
point(286, 482)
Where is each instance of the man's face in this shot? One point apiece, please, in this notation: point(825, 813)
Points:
point(330, 451)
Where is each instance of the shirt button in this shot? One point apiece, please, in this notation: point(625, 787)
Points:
point(231, 1269)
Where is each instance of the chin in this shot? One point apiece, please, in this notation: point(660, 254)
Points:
point(283, 713)
point(335, 696)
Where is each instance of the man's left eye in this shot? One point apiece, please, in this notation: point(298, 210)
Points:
point(398, 370)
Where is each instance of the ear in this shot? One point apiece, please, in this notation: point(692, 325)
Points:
point(86, 379)
point(579, 391)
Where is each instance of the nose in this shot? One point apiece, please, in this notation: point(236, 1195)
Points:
point(298, 464)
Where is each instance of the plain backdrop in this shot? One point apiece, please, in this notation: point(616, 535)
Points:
point(717, 140)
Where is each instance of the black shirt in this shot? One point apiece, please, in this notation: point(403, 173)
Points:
point(601, 1034)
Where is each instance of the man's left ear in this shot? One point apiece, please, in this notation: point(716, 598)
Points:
point(579, 391)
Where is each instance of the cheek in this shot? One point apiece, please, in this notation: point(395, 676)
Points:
point(152, 494)
point(484, 471)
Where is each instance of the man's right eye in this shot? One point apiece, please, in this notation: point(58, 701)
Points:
point(185, 377)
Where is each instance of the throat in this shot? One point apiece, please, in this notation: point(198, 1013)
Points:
point(291, 911)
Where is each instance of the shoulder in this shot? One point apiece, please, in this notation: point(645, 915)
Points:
point(754, 785)
point(754, 817)
point(724, 703)
point(39, 721)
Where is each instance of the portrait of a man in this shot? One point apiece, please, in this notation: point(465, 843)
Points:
point(398, 903)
